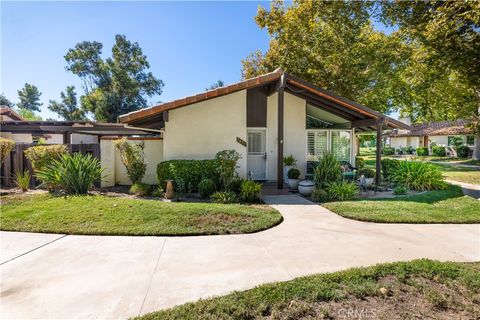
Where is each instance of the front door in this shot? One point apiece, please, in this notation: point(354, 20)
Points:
point(256, 154)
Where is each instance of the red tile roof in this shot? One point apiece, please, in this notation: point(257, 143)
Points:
point(443, 128)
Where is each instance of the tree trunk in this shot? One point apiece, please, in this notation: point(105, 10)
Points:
point(476, 148)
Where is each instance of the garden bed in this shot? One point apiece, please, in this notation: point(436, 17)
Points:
point(402, 290)
point(442, 206)
point(105, 215)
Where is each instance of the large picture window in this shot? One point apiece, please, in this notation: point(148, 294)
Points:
point(317, 144)
point(340, 145)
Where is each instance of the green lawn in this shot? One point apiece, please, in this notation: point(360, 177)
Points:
point(121, 216)
point(418, 289)
point(462, 174)
point(445, 206)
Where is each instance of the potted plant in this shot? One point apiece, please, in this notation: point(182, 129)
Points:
point(306, 187)
point(288, 163)
point(368, 175)
point(293, 179)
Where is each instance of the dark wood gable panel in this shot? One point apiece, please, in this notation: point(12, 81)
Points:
point(257, 107)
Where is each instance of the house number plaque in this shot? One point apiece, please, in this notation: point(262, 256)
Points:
point(242, 142)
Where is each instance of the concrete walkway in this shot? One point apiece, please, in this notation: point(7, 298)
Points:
point(55, 276)
point(469, 189)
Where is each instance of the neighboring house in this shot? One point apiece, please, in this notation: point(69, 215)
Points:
point(9, 115)
point(82, 136)
point(264, 119)
point(443, 133)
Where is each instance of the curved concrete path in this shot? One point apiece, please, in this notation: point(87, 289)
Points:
point(56, 276)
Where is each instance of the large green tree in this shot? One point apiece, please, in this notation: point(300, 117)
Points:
point(68, 108)
point(29, 97)
point(333, 45)
point(4, 101)
point(450, 31)
point(116, 85)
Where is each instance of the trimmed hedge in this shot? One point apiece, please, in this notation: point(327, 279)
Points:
point(388, 151)
point(6, 145)
point(439, 151)
point(422, 151)
point(42, 155)
point(463, 151)
point(187, 174)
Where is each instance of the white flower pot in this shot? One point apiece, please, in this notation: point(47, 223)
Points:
point(306, 187)
point(368, 182)
point(293, 183)
point(285, 172)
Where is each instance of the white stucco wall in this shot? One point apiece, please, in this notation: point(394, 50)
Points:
point(75, 138)
point(439, 140)
point(200, 130)
point(17, 137)
point(295, 133)
point(114, 170)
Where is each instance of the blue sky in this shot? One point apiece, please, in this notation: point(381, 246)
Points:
point(189, 45)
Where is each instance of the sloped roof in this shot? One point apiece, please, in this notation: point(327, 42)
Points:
point(442, 128)
point(245, 84)
point(351, 110)
point(9, 112)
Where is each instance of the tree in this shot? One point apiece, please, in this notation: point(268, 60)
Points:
point(116, 85)
point(333, 45)
point(28, 115)
point(68, 109)
point(5, 102)
point(29, 98)
point(449, 30)
point(215, 85)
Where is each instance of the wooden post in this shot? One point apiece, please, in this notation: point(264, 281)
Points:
point(66, 137)
point(281, 107)
point(7, 170)
point(378, 155)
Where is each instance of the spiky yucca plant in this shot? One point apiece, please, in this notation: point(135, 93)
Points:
point(72, 174)
point(327, 171)
point(418, 176)
point(22, 180)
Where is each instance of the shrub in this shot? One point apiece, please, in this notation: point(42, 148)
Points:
point(320, 195)
point(400, 190)
point(409, 150)
point(227, 163)
point(224, 197)
point(157, 192)
point(187, 174)
point(293, 173)
point(22, 180)
point(439, 151)
point(141, 189)
point(289, 161)
point(6, 145)
point(360, 162)
point(388, 151)
point(389, 166)
point(418, 176)
point(342, 190)
point(72, 173)
point(463, 151)
point(422, 151)
point(366, 172)
point(206, 187)
point(328, 170)
point(40, 156)
point(250, 191)
point(132, 156)
point(235, 185)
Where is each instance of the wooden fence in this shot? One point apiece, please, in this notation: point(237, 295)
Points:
point(17, 162)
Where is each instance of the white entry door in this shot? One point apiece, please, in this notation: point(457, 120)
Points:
point(256, 154)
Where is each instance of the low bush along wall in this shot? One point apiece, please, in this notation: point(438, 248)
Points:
point(187, 174)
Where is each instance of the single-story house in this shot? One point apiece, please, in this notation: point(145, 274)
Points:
point(264, 119)
point(444, 133)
